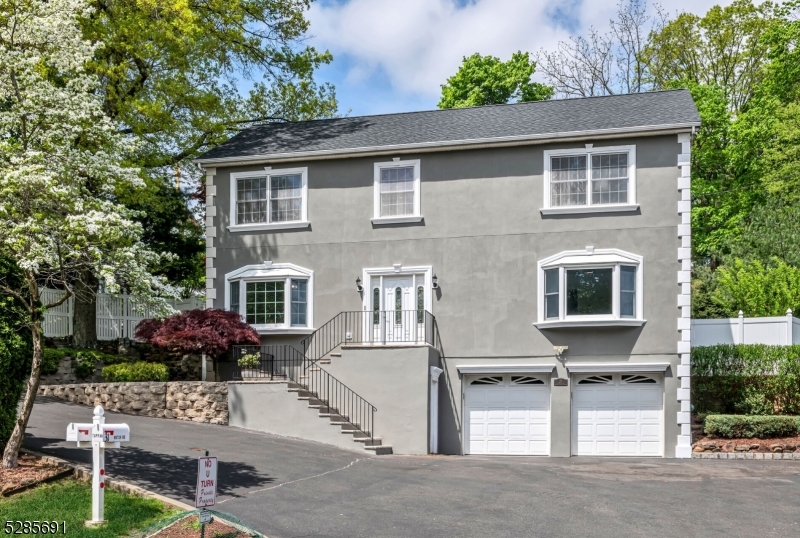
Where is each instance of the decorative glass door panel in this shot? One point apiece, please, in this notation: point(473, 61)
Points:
point(400, 317)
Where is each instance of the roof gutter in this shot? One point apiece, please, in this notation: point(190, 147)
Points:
point(451, 145)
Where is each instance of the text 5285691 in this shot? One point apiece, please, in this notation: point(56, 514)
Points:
point(35, 527)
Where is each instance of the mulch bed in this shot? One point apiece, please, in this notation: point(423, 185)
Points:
point(189, 528)
point(786, 444)
point(31, 471)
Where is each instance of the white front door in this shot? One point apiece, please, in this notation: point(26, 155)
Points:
point(618, 415)
point(400, 316)
point(507, 414)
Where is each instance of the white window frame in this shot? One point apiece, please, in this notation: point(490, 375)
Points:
point(591, 258)
point(268, 172)
point(373, 277)
point(376, 214)
point(588, 152)
point(274, 272)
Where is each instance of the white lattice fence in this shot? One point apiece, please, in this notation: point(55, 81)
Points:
point(117, 316)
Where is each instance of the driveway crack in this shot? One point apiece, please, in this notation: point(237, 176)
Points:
point(293, 481)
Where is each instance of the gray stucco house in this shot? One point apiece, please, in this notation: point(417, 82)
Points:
point(507, 279)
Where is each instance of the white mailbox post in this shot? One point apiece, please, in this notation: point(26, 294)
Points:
point(99, 436)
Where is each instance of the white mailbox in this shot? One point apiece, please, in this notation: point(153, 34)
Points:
point(79, 432)
point(105, 435)
point(116, 433)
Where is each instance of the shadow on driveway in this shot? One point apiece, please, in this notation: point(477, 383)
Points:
point(171, 475)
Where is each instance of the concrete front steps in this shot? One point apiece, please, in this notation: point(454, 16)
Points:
point(371, 444)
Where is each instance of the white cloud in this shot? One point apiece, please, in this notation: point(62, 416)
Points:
point(417, 44)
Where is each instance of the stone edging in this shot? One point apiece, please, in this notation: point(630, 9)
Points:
point(84, 472)
point(745, 456)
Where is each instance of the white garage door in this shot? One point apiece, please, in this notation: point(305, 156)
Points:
point(618, 415)
point(507, 414)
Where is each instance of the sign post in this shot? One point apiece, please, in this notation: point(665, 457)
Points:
point(206, 489)
point(99, 436)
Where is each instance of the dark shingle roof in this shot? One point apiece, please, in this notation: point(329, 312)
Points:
point(440, 127)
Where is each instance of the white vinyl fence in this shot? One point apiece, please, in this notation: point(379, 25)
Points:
point(117, 316)
point(774, 331)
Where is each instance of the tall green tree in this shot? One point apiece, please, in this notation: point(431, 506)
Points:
point(61, 160)
point(169, 72)
point(723, 48)
point(758, 289)
point(487, 80)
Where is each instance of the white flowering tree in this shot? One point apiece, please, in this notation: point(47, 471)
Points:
point(60, 161)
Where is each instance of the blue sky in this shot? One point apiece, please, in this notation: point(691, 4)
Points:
point(393, 55)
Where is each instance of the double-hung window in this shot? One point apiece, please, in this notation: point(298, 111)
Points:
point(592, 287)
point(270, 199)
point(397, 192)
point(273, 298)
point(590, 180)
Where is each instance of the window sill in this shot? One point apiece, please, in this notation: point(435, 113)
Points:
point(282, 330)
point(396, 220)
point(268, 226)
point(562, 323)
point(572, 210)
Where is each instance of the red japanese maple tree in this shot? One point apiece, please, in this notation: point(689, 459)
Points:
point(210, 331)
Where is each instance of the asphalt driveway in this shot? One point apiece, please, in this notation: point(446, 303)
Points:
point(291, 488)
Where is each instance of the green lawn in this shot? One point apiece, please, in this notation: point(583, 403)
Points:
point(71, 501)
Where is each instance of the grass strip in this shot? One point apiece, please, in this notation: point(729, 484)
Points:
point(70, 501)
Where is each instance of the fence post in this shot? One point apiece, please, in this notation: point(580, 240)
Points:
point(741, 328)
point(788, 326)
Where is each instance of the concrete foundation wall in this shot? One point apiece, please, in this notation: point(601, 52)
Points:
point(269, 407)
point(397, 382)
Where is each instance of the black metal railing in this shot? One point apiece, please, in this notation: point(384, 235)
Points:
point(376, 327)
point(327, 393)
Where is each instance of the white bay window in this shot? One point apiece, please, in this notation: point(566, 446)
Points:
point(590, 288)
point(273, 298)
point(590, 180)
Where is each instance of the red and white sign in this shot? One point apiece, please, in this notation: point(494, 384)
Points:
point(206, 482)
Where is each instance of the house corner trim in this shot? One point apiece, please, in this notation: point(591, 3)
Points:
point(211, 233)
point(683, 449)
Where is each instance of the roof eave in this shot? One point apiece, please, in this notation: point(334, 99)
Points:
point(449, 145)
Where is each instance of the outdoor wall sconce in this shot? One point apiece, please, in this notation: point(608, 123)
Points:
point(359, 287)
point(435, 282)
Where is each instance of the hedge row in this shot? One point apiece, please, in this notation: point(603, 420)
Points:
point(744, 426)
point(136, 371)
point(746, 379)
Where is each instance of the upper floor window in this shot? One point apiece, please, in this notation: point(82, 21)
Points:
point(591, 287)
point(590, 180)
point(273, 298)
point(269, 199)
point(397, 192)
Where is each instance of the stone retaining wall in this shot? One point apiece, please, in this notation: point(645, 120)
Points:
point(194, 401)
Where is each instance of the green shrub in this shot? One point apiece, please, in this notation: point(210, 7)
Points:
point(87, 360)
point(16, 351)
point(136, 371)
point(50, 359)
point(251, 360)
point(748, 426)
point(750, 379)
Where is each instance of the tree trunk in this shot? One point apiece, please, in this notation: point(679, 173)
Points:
point(32, 387)
point(84, 328)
